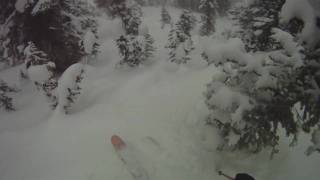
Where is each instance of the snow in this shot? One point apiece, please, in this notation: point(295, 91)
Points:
point(316, 143)
point(220, 51)
point(225, 98)
point(130, 155)
point(21, 5)
point(89, 40)
point(143, 29)
point(41, 5)
point(291, 47)
point(68, 81)
point(159, 109)
point(39, 73)
point(303, 10)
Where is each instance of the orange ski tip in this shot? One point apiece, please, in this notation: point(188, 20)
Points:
point(117, 142)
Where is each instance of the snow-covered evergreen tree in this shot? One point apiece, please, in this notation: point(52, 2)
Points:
point(186, 22)
point(57, 27)
point(73, 92)
point(180, 41)
point(132, 19)
point(70, 87)
point(231, 97)
point(257, 21)
point(254, 97)
point(301, 20)
point(133, 47)
point(40, 70)
point(34, 56)
point(209, 9)
point(130, 14)
point(131, 50)
point(149, 49)
point(10, 33)
point(5, 99)
point(165, 17)
point(223, 6)
point(180, 46)
point(118, 8)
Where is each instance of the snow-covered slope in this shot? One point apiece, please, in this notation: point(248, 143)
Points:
point(159, 109)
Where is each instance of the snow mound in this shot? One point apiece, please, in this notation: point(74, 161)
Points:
point(67, 82)
point(40, 73)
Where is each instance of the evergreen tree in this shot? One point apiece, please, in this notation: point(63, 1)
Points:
point(118, 8)
point(165, 17)
point(180, 41)
point(34, 56)
point(186, 23)
point(149, 49)
point(132, 19)
point(74, 92)
point(257, 21)
point(7, 8)
point(10, 33)
point(51, 25)
point(130, 14)
point(5, 100)
point(131, 50)
point(209, 9)
point(135, 50)
point(254, 98)
point(223, 6)
point(37, 64)
point(308, 76)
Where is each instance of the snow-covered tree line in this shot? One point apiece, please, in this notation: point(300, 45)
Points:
point(269, 77)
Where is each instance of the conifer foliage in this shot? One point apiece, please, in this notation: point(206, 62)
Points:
point(180, 41)
point(253, 98)
point(209, 9)
point(52, 25)
point(41, 71)
point(134, 48)
point(223, 7)
point(149, 49)
point(131, 50)
point(130, 14)
point(74, 92)
point(165, 17)
point(5, 99)
point(256, 22)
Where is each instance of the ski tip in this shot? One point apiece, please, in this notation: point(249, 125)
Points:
point(117, 142)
